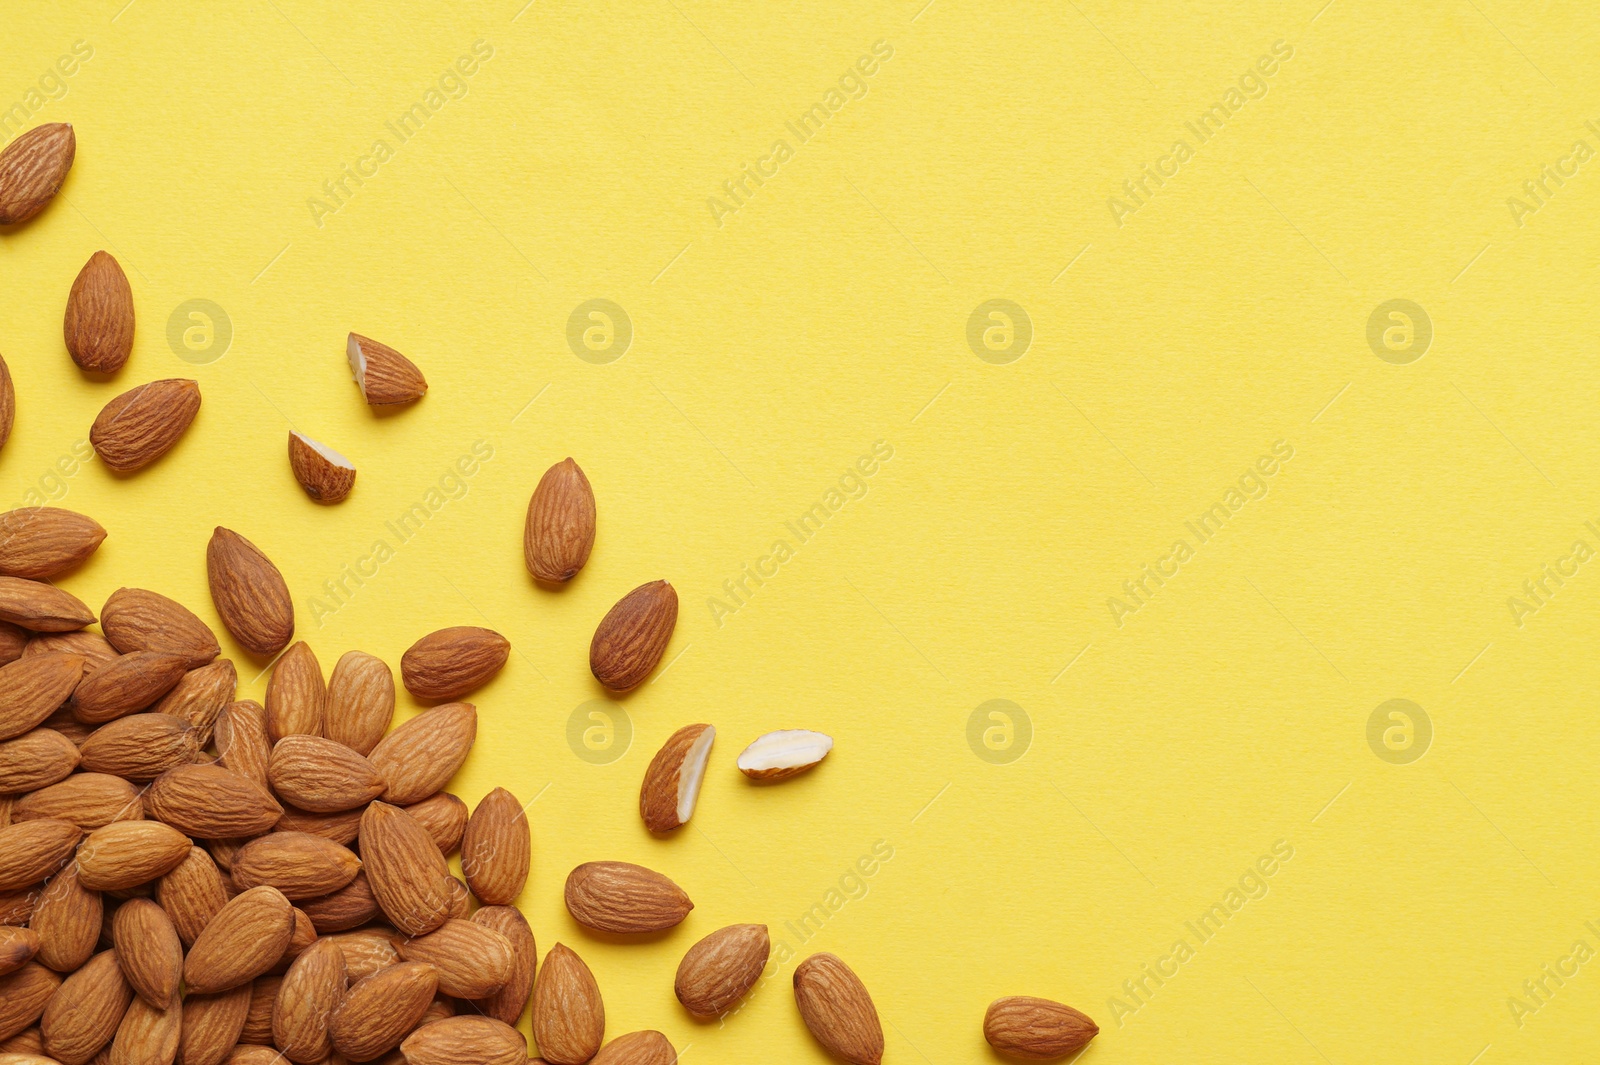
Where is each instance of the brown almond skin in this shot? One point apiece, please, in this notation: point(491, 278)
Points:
point(407, 873)
point(40, 542)
point(144, 423)
point(8, 402)
point(449, 663)
point(67, 919)
point(445, 817)
point(658, 792)
point(140, 747)
point(211, 1025)
point(360, 702)
point(36, 760)
point(249, 593)
point(32, 170)
point(301, 939)
point(368, 950)
point(637, 1048)
point(342, 827)
point(32, 687)
point(339, 911)
point(136, 619)
point(721, 969)
point(297, 696)
point(243, 941)
point(33, 850)
point(95, 649)
point(17, 947)
point(209, 802)
point(41, 607)
point(14, 640)
point(419, 758)
point(311, 989)
point(472, 959)
point(258, 1016)
point(631, 638)
point(511, 999)
point(381, 1009)
point(390, 378)
point(559, 533)
point(191, 894)
point(569, 1018)
point(98, 325)
point(242, 743)
point(83, 1015)
point(300, 865)
point(148, 950)
point(125, 854)
point(321, 776)
point(16, 907)
point(322, 480)
point(200, 696)
point(465, 1041)
point(496, 850)
point(125, 684)
point(147, 1036)
point(624, 898)
point(23, 995)
point(88, 800)
point(838, 1011)
point(1036, 1028)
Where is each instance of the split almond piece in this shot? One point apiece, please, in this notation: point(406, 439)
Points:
point(672, 782)
point(559, 533)
point(1036, 1028)
point(781, 755)
point(384, 375)
point(837, 1010)
point(98, 326)
point(326, 475)
point(32, 170)
point(144, 423)
point(624, 898)
point(631, 638)
point(249, 593)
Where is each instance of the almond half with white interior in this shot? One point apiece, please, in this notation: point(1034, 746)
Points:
point(384, 375)
point(780, 755)
point(326, 475)
point(672, 783)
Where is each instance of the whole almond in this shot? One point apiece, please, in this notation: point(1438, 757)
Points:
point(837, 1010)
point(16, 907)
point(36, 760)
point(301, 938)
point(368, 950)
point(559, 532)
point(98, 326)
point(8, 402)
point(360, 702)
point(300, 865)
point(17, 947)
point(624, 898)
point(637, 1048)
point(191, 894)
point(125, 854)
point(242, 743)
point(249, 593)
point(322, 776)
point(721, 969)
point(88, 800)
point(326, 475)
point(297, 695)
point(311, 989)
point(244, 940)
point(465, 1041)
point(408, 874)
point(342, 827)
point(419, 758)
point(339, 911)
point(383, 374)
point(472, 959)
point(136, 619)
point(14, 640)
point(147, 1036)
point(32, 170)
point(63, 722)
point(148, 950)
point(67, 919)
point(26, 1043)
point(496, 849)
point(144, 423)
point(211, 1025)
point(258, 1016)
point(84, 1012)
point(381, 1009)
point(31, 851)
point(23, 995)
point(445, 817)
point(200, 696)
point(452, 662)
point(41, 607)
point(222, 851)
point(511, 999)
point(32, 687)
point(1036, 1028)
point(671, 784)
point(140, 747)
point(40, 542)
point(210, 802)
point(94, 648)
point(633, 635)
point(569, 1018)
point(126, 683)
point(460, 899)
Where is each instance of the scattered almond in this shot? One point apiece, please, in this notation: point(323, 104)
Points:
point(126, 683)
point(98, 327)
point(300, 865)
point(191, 894)
point(144, 423)
point(88, 800)
point(297, 696)
point(257, 1029)
point(31, 851)
point(67, 920)
point(41, 607)
point(147, 1036)
point(35, 760)
point(148, 950)
point(465, 1041)
point(125, 854)
point(624, 898)
point(40, 542)
point(326, 475)
point(136, 619)
point(637, 1048)
point(95, 649)
point(496, 849)
point(722, 968)
point(381, 1009)
point(210, 802)
point(419, 758)
point(445, 818)
point(249, 593)
point(212, 1025)
point(633, 635)
point(406, 870)
point(837, 1010)
point(511, 999)
point(200, 696)
point(242, 743)
point(83, 1014)
point(672, 782)
point(23, 995)
point(781, 755)
point(17, 948)
point(8, 402)
point(569, 1018)
point(243, 941)
point(342, 827)
point(311, 990)
point(472, 959)
point(32, 687)
point(383, 374)
point(360, 703)
point(140, 747)
point(32, 170)
point(339, 911)
point(322, 776)
point(1036, 1028)
point(452, 662)
point(559, 532)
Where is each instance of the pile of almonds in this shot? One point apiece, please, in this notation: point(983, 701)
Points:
point(190, 877)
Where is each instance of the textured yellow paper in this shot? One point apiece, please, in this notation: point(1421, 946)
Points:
point(802, 214)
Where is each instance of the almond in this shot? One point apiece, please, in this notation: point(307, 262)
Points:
point(211, 1025)
point(200, 696)
point(32, 851)
point(406, 870)
point(624, 898)
point(511, 999)
point(460, 899)
point(222, 851)
point(88, 800)
point(633, 636)
point(32, 170)
point(249, 593)
point(32, 687)
point(135, 619)
point(496, 849)
point(1037, 1028)
point(445, 818)
point(41, 607)
point(125, 854)
point(93, 647)
point(837, 1010)
point(452, 662)
point(300, 865)
point(8, 402)
point(419, 758)
point(70, 727)
point(368, 951)
point(383, 374)
point(322, 776)
point(311, 989)
point(40, 542)
point(342, 827)
point(672, 782)
point(16, 907)
point(140, 747)
point(36, 760)
point(191, 894)
point(381, 1009)
point(147, 1036)
point(143, 423)
point(465, 1041)
point(249, 1054)
point(297, 696)
point(721, 969)
point(67, 920)
point(242, 743)
point(781, 755)
point(14, 642)
point(243, 941)
point(23, 995)
point(98, 327)
point(258, 1016)
point(126, 683)
point(84, 1013)
point(559, 533)
point(148, 950)
point(210, 802)
point(360, 702)
point(301, 939)
point(472, 959)
point(17, 948)
point(637, 1048)
point(569, 1018)
point(339, 911)
point(326, 475)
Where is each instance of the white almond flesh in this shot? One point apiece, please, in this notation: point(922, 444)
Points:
point(692, 773)
point(358, 364)
point(326, 452)
point(672, 782)
point(783, 754)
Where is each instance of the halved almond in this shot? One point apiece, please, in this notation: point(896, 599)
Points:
point(780, 755)
point(326, 475)
point(672, 783)
point(384, 375)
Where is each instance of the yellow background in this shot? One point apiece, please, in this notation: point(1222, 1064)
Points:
point(830, 311)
